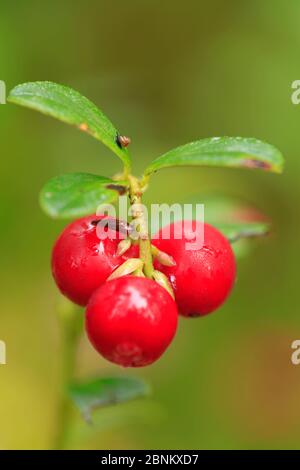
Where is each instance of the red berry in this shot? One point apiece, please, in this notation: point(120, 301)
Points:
point(131, 321)
point(202, 278)
point(81, 262)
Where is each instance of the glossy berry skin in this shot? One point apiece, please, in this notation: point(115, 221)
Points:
point(202, 278)
point(131, 321)
point(81, 262)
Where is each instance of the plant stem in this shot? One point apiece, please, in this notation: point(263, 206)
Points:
point(135, 195)
point(70, 326)
point(145, 255)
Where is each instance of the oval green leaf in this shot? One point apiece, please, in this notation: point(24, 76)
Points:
point(67, 105)
point(102, 392)
point(239, 221)
point(78, 194)
point(235, 152)
point(234, 217)
point(238, 231)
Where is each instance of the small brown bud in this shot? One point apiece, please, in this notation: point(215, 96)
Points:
point(123, 141)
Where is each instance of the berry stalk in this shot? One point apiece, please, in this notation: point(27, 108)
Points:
point(135, 196)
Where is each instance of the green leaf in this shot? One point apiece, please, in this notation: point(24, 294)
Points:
point(237, 231)
point(78, 194)
point(67, 105)
point(235, 152)
point(139, 413)
point(102, 392)
point(238, 220)
point(235, 218)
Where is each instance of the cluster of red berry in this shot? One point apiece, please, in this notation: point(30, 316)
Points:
point(132, 319)
point(133, 289)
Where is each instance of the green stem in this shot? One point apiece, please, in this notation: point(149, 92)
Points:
point(144, 181)
point(70, 325)
point(135, 195)
point(126, 172)
point(146, 256)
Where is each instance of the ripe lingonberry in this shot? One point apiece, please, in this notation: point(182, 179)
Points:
point(202, 278)
point(81, 262)
point(131, 320)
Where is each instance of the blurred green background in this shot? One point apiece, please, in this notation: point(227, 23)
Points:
point(165, 73)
